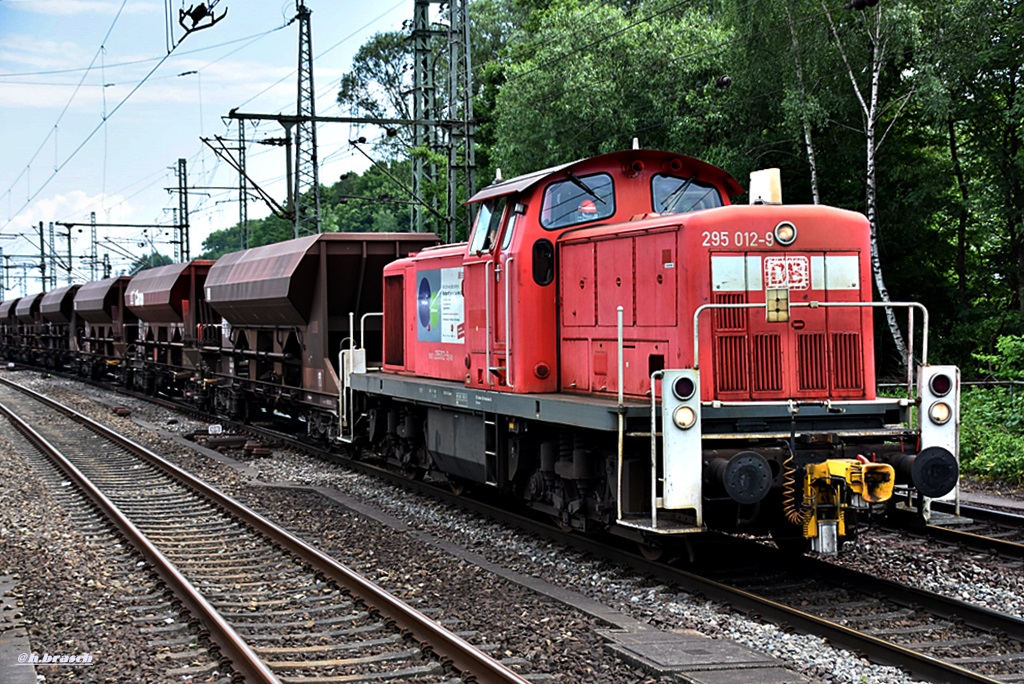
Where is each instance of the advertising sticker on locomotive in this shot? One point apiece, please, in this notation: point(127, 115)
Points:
point(440, 311)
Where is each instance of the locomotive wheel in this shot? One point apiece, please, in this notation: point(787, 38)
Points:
point(416, 475)
point(652, 551)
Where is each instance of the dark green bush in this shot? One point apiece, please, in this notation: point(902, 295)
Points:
point(992, 418)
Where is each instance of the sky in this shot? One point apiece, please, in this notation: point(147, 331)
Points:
point(100, 98)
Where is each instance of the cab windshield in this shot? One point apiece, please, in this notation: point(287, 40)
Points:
point(578, 200)
point(673, 195)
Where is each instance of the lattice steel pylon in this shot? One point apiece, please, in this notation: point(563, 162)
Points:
point(424, 107)
point(451, 130)
point(461, 160)
point(243, 190)
point(181, 248)
point(306, 198)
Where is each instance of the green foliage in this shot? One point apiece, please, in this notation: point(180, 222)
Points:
point(587, 76)
point(378, 85)
point(992, 433)
point(221, 242)
point(152, 260)
point(1008, 360)
point(992, 428)
point(557, 80)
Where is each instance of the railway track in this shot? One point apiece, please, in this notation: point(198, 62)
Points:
point(275, 607)
point(163, 628)
point(929, 636)
point(979, 528)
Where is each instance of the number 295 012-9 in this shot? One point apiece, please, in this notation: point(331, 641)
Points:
point(721, 238)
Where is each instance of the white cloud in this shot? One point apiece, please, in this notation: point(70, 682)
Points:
point(36, 54)
point(72, 206)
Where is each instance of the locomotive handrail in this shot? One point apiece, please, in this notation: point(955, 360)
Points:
point(622, 428)
point(910, 306)
point(487, 322)
point(655, 376)
point(508, 329)
point(362, 325)
point(345, 363)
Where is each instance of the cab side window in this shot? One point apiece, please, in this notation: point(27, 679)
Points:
point(487, 225)
point(579, 200)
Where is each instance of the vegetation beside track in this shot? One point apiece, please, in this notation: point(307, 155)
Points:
point(992, 428)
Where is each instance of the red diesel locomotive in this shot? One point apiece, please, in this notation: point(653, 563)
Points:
point(618, 346)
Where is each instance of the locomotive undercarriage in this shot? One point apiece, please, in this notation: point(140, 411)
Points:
point(565, 474)
point(808, 490)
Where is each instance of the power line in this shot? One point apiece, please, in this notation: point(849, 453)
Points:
point(249, 40)
point(89, 137)
point(134, 62)
point(60, 117)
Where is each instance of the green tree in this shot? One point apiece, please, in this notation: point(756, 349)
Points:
point(221, 242)
point(378, 86)
point(152, 260)
point(585, 77)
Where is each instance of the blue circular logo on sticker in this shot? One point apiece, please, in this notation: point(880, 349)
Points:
point(423, 303)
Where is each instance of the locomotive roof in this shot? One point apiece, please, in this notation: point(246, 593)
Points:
point(703, 170)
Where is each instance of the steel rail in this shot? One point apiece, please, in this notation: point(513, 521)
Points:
point(953, 534)
point(980, 513)
point(243, 659)
point(976, 616)
point(877, 650)
point(447, 645)
point(974, 540)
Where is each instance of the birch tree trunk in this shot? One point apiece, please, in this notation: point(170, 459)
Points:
point(805, 118)
point(961, 229)
point(870, 109)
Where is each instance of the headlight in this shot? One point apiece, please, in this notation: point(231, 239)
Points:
point(940, 384)
point(940, 413)
point(684, 417)
point(785, 233)
point(683, 388)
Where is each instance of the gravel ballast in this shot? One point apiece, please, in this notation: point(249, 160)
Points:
point(519, 624)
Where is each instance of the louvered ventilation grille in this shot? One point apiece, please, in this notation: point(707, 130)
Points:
point(767, 364)
point(732, 364)
point(813, 373)
point(394, 321)
point(730, 319)
point(847, 354)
